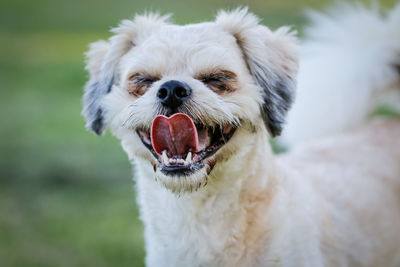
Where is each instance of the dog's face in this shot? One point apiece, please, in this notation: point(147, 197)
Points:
point(183, 98)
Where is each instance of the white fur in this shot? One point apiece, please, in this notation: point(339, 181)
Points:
point(346, 60)
point(334, 202)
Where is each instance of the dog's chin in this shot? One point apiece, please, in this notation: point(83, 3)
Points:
point(189, 172)
point(183, 182)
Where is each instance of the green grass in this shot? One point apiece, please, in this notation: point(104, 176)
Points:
point(70, 225)
point(66, 196)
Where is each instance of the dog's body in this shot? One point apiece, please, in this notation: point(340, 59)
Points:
point(309, 207)
point(332, 202)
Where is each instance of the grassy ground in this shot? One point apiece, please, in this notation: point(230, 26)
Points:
point(66, 196)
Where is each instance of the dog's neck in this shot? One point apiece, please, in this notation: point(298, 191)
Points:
point(211, 220)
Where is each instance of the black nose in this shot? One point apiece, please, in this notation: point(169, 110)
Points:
point(172, 93)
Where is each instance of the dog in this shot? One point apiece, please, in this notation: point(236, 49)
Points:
point(195, 106)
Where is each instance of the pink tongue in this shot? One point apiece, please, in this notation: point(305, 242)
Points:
point(176, 134)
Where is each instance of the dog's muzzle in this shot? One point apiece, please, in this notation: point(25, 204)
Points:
point(181, 145)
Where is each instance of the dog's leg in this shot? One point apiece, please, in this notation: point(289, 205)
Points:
point(349, 58)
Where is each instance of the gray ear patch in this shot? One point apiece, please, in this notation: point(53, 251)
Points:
point(94, 114)
point(278, 95)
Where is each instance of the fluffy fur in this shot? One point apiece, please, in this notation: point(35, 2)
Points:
point(332, 202)
point(348, 55)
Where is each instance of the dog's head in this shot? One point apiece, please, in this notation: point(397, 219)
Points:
point(183, 97)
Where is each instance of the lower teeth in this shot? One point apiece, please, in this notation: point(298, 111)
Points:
point(176, 161)
point(188, 158)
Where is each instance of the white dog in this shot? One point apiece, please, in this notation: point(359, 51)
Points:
point(194, 107)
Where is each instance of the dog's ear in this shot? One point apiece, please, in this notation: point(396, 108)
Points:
point(272, 59)
point(102, 61)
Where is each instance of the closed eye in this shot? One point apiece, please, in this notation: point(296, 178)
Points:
point(138, 83)
point(215, 79)
point(142, 78)
point(219, 81)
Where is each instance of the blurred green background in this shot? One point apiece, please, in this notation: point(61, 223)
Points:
point(67, 197)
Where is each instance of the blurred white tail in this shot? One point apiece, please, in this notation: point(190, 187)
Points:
point(349, 57)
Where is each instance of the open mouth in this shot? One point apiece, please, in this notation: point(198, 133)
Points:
point(181, 146)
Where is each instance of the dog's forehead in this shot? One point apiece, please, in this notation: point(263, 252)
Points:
point(193, 33)
point(191, 48)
